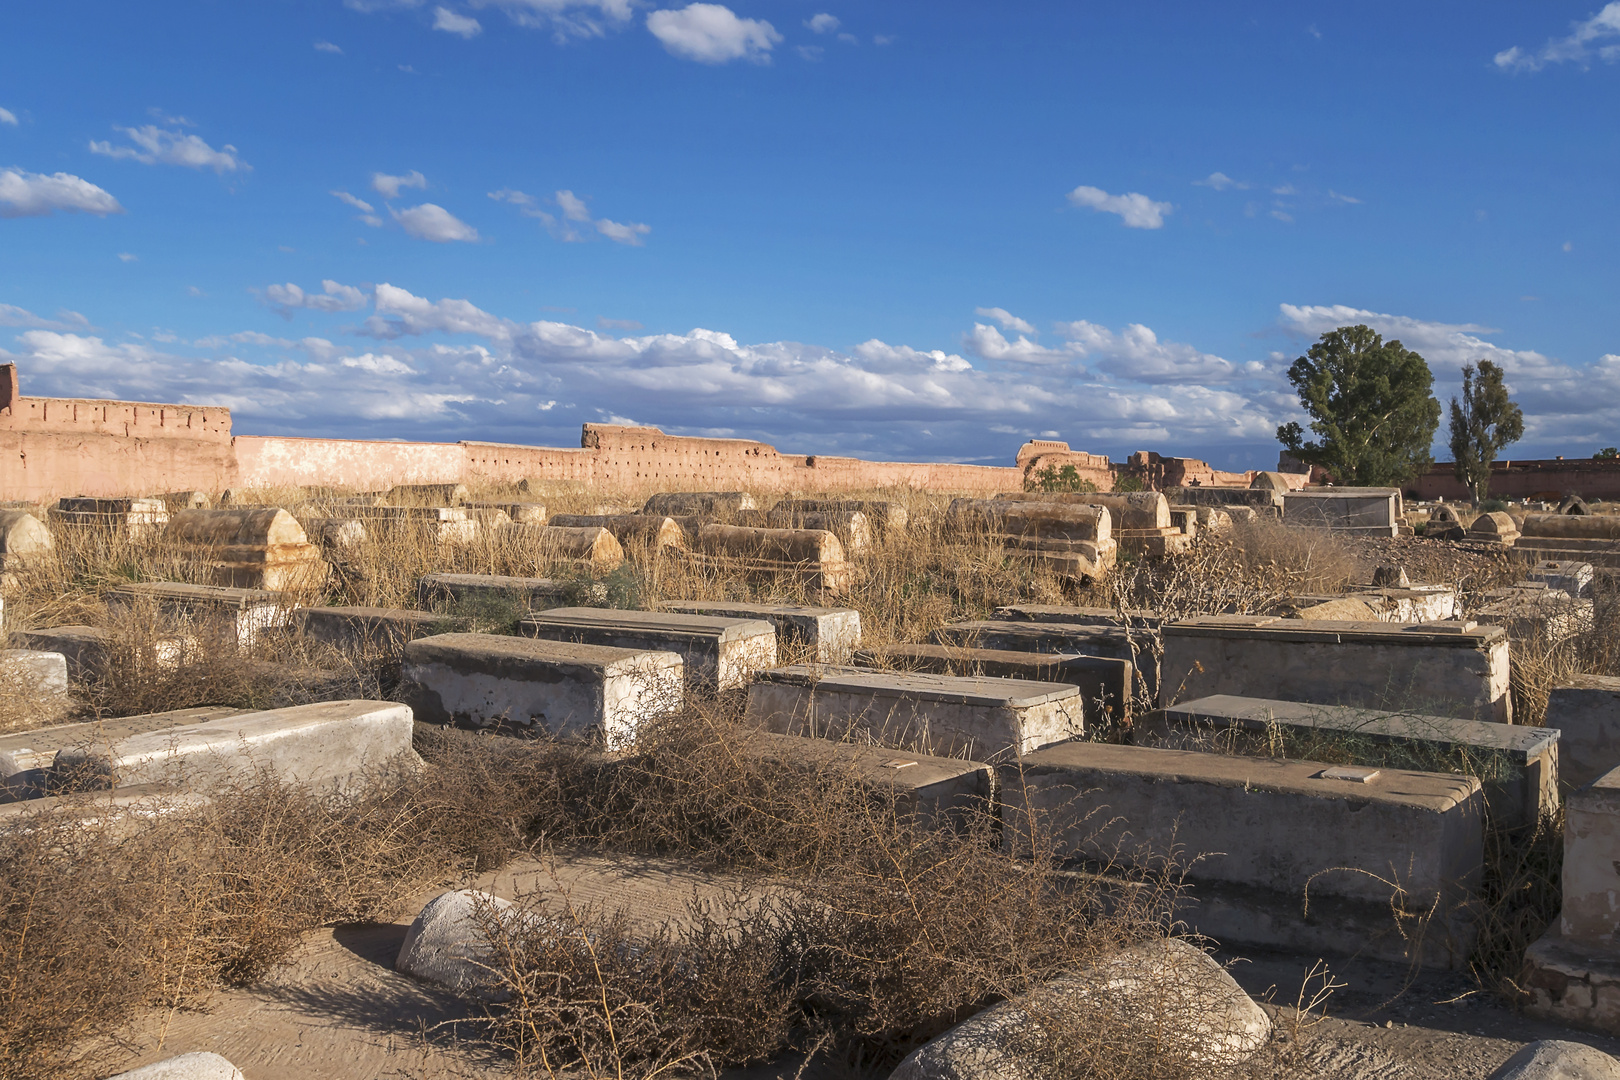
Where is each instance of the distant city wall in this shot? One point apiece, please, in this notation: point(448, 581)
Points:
point(1590, 478)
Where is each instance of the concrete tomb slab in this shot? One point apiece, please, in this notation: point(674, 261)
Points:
point(447, 944)
point(1266, 830)
point(367, 627)
point(592, 549)
point(199, 1065)
point(175, 501)
point(336, 535)
point(85, 648)
point(559, 688)
point(121, 811)
point(719, 652)
point(812, 558)
point(830, 634)
point(261, 548)
point(239, 615)
point(1439, 668)
point(1586, 710)
point(1077, 616)
point(332, 745)
point(1086, 639)
point(1519, 767)
point(495, 591)
point(1373, 511)
point(851, 527)
point(1558, 1059)
point(1531, 612)
point(1591, 917)
point(1574, 578)
point(1073, 539)
point(133, 519)
point(23, 539)
point(1104, 682)
point(429, 494)
point(934, 714)
point(700, 503)
point(436, 524)
point(941, 792)
point(884, 517)
point(37, 677)
point(652, 531)
point(26, 758)
point(521, 513)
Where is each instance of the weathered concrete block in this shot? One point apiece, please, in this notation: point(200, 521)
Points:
point(1104, 682)
point(135, 519)
point(557, 687)
point(1533, 612)
point(719, 652)
point(934, 714)
point(1078, 616)
point(336, 535)
point(236, 615)
point(521, 513)
point(1170, 985)
point(1132, 510)
point(429, 494)
point(1257, 500)
point(327, 746)
point(363, 628)
point(941, 792)
point(1574, 578)
point(175, 501)
point(436, 524)
point(652, 531)
point(700, 503)
point(1267, 830)
point(23, 539)
point(885, 517)
point(1517, 766)
point(492, 590)
point(1077, 540)
point(1374, 511)
point(1494, 528)
point(811, 557)
point(850, 526)
point(592, 549)
point(121, 812)
point(1556, 1059)
point(263, 548)
point(1444, 669)
point(26, 758)
point(199, 1065)
point(1591, 915)
point(84, 648)
point(38, 677)
point(1585, 709)
point(446, 943)
point(830, 634)
point(1084, 639)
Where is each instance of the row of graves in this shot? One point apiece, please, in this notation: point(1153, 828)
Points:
point(1340, 770)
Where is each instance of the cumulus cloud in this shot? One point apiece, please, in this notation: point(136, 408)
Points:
point(623, 233)
point(566, 19)
point(332, 297)
point(124, 256)
point(8, 118)
point(431, 221)
point(1588, 38)
point(388, 186)
point(1220, 182)
point(159, 146)
point(1007, 319)
point(1136, 353)
point(713, 34)
point(452, 23)
point(822, 23)
point(358, 203)
point(989, 343)
point(1136, 210)
point(328, 47)
point(26, 194)
point(574, 211)
point(11, 315)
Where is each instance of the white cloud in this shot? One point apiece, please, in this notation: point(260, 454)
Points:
point(822, 23)
point(573, 207)
point(11, 315)
point(357, 203)
point(451, 23)
point(124, 256)
point(627, 233)
point(8, 117)
point(884, 39)
point(849, 39)
point(1136, 210)
point(1285, 189)
point(333, 297)
point(1336, 197)
point(1442, 344)
point(388, 186)
point(328, 47)
point(574, 210)
point(811, 53)
point(433, 222)
point(1282, 215)
point(989, 343)
point(1220, 182)
point(158, 146)
point(1136, 353)
point(566, 19)
point(713, 34)
point(1007, 319)
point(26, 194)
point(1584, 41)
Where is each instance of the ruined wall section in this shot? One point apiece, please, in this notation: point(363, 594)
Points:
point(267, 461)
point(51, 447)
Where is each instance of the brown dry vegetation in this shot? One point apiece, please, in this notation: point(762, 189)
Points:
point(884, 935)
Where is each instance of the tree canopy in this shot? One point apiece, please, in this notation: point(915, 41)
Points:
point(1483, 421)
point(1371, 408)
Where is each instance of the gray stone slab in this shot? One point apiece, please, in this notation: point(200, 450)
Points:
point(830, 634)
point(1438, 668)
point(1518, 766)
point(199, 1065)
point(240, 615)
point(1591, 917)
point(1104, 682)
point(85, 648)
point(560, 688)
point(1264, 829)
point(40, 675)
point(943, 792)
point(121, 811)
point(368, 627)
point(718, 652)
point(951, 716)
point(1574, 578)
point(1076, 616)
point(1085, 639)
point(1586, 710)
point(434, 591)
point(332, 745)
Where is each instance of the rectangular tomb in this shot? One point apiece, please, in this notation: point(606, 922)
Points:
point(934, 714)
point(1440, 668)
point(1585, 709)
point(1087, 639)
point(329, 746)
point(364, 628)
point(1371, 511)
point(557, 688)
point(1104, 682)
point(1518, 766)
point(26, 758)
point(438, 591)
point(239, 616)
point(829, 634)
point(719, 653)
point(1262, 832)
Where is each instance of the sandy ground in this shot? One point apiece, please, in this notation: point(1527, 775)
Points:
point(337, 1009)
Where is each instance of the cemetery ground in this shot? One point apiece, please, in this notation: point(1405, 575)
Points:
point(687, 905)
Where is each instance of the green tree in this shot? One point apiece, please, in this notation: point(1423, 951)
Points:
point(1483, 421)
point(1370, 406)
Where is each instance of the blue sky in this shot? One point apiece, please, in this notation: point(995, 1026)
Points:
point(909, 231)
